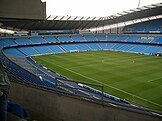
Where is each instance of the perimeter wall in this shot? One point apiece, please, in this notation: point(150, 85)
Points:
point(44, 105)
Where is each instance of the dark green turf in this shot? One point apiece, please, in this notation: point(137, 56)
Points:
point(136, 78)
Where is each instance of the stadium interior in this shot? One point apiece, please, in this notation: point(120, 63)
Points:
point(50, 96)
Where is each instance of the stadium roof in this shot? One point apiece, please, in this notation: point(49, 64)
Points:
point(75, 22)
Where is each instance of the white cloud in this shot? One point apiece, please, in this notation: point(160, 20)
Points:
point(92, 7)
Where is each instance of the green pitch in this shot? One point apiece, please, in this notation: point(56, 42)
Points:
point(134, 77)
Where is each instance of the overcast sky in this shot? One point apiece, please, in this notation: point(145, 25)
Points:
point(92, 7)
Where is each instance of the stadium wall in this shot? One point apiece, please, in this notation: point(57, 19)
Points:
point(45, 105)
point(23, 9)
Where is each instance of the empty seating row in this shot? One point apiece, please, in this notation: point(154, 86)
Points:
point(151, 26)
point(78, 38)
point(22, 75)
point(135, 38)
point(33, 50)
point(49, 49)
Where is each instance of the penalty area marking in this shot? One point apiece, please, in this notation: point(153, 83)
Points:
point(152, 81)
point(105, 84)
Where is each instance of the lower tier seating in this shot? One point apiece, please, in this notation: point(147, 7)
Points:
point(48, 49)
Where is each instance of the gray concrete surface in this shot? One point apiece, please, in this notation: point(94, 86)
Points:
point(26, 9)
point(47, 106)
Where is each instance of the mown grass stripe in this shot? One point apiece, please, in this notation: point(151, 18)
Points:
point(117, 70)
point(105, 84)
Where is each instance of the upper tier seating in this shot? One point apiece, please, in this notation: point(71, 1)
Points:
point(9, 41)
point(77, 38)
point(101, 37)
point(51, 39)
point(90, 37)
point(136, 38)
point(112, 37)
point(158, 40)
point(153, 26)
point(47, 49)
point(23, 41)
point(37, 40)
point(145, 39)
point(122, 38)
point(133, 38)
point(64, 38)
point(6, 42)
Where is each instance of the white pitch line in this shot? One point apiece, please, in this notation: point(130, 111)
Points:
point(115, 88)
point(106, 84)
point(154, 79)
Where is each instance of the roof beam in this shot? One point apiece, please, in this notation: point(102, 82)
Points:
point(55, 18)
point(68, 18)
point(62, 17)
point(81, 19)
point(75, 18)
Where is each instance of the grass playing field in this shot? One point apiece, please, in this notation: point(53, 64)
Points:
point(134, 77)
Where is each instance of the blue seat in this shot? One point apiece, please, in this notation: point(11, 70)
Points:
point(64, 38)
point(69, 47)
point(90, 38)
point(23, 41)
point(38, 40)
point(112, 37)
point(77, 38)
point(29, 51)
point(51, 39)
point(9, 41)
point(82, 47)
point(17, 110)
point(101, 37)
point(13, 51)
point(94, 46)
point(43, 49)
point(55, 49)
